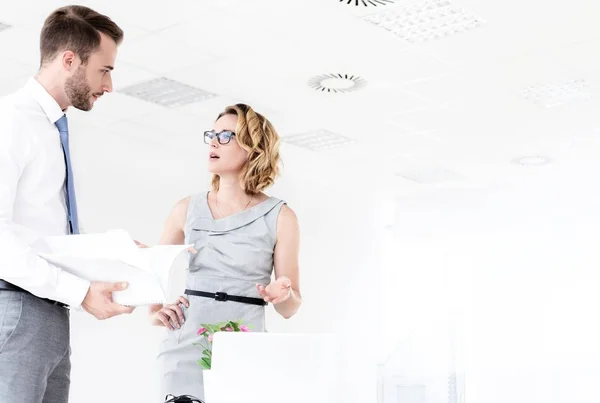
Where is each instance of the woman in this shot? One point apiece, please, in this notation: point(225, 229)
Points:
point(239, 236)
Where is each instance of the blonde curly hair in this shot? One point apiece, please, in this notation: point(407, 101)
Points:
point(257, 136)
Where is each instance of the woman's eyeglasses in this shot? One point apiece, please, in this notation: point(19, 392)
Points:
point(223, 137)
point(182, 399)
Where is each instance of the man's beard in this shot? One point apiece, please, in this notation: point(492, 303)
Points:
point(78, 91)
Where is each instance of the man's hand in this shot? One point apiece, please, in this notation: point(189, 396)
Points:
point(140, 245)
point(98, 300)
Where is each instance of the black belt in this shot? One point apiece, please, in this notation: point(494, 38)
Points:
point(223, 296)
point(6, 286)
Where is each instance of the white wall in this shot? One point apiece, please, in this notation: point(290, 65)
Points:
point(519, 268)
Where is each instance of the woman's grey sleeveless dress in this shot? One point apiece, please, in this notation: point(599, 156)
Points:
point(234, 254)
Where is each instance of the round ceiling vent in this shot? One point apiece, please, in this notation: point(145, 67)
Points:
point(337, 83)
point(368, 3)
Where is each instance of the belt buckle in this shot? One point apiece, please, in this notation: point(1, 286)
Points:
point(221, 296)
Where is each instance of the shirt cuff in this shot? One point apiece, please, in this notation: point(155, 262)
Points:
point(71, 290)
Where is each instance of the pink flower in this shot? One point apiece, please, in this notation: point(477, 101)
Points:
point(244, 328)
point(201, 331)
point(229, 329)
point(210, 338)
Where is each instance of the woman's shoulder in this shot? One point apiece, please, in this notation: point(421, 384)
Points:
point(285, 214)
point(183, 206)
point(194, 198)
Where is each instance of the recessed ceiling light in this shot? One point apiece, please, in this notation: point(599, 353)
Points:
point(3, 26)
point(552, 95)
point(318, 140)
point(368, 3)
point(337, 83)
point(166, 92)
point(532, 160)
point(425, 20)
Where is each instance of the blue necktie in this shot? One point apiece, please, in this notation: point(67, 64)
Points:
point(63, 128)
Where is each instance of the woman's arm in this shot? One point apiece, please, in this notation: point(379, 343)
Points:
point(285, 260)
point(173, 233)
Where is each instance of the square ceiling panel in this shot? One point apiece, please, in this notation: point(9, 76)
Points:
point(318, 140)
point(165, 92)
point(557, 94)
point(531, 31)
point(424, 21)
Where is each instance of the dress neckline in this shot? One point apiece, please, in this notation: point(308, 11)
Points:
point(239, 213)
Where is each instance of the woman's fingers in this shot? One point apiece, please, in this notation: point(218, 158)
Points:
point(165, 319)
point(179, 313)
point(184, 301)
point(172, 315)
point(262, 290)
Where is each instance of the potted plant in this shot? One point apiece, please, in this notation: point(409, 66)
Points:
point(206, 332)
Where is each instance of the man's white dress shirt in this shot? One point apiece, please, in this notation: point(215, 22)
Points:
point(33, 195)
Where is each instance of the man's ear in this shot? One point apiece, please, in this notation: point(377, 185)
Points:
point(69, 60)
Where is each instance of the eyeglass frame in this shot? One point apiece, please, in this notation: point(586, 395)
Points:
point(183, 399)
point(218, 136)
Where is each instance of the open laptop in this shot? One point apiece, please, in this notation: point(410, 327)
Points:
point(272, 368)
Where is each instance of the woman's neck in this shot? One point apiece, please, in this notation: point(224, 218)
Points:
point(231, 192)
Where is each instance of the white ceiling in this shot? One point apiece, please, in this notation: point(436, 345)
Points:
point(447, 109)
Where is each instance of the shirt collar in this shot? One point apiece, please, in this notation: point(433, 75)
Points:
point(44, 99)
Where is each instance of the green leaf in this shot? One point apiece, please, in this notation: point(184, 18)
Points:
point(206, 363)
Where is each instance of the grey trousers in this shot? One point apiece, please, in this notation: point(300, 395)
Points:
point(35, 353)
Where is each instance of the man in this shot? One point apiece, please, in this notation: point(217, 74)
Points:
point(78, 49)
